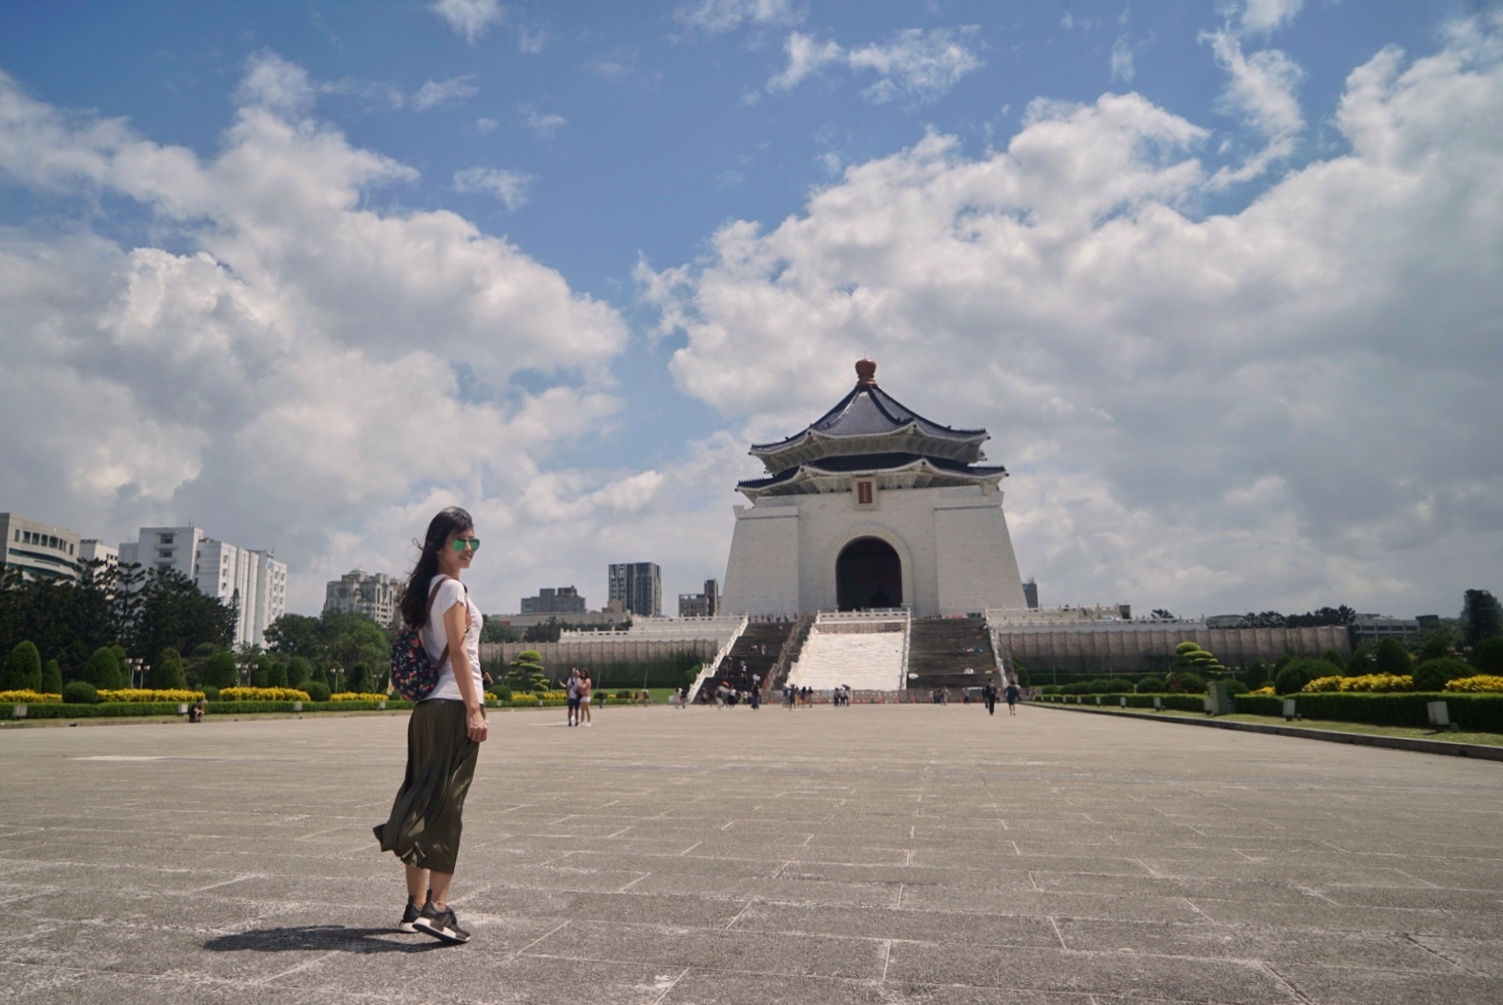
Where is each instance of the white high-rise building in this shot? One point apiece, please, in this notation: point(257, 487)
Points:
point(221, 570)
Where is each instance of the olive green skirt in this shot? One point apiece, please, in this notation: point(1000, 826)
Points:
point(424, 826)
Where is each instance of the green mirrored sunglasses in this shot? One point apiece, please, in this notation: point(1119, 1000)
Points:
point(460, 542)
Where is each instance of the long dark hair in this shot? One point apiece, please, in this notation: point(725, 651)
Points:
point(415, 595)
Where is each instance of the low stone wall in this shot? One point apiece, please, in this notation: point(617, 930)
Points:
point(606, 651)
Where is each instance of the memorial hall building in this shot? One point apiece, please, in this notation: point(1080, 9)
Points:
point(873, 506)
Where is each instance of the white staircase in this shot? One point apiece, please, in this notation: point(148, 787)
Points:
point(864, 651)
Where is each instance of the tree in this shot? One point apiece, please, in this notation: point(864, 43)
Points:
point(219, 671)
point(527, 671)
point(276, 674)
point(1435, 644)
point(1487, 657)
point(1257, 673)
point(295, 635)
point(1299, 672)
point(1481, 618)
point(1362, 661)
point(173, 613)
point(52, 678)
point(494, 630)
point(548, 631)
point(23, 669)
point(103, 671)
point(1393, 658)
point(298, 671)
point(358, 680)
point(1336, 660)
point(1190, 657)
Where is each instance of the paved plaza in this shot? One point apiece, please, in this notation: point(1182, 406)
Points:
point(870, 854)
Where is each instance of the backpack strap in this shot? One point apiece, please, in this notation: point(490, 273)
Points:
point(432, 596)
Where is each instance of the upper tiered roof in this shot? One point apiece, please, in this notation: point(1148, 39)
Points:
point(871, 432)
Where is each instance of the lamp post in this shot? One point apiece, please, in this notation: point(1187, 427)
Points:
point(336, 671)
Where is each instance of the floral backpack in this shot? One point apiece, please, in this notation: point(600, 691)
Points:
point(414, 675)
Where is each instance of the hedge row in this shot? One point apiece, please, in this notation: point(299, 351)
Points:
point(106, 710)
point(1480, 712)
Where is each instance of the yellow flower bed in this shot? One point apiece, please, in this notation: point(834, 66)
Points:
point(1370, 682)
point(263, 694)
point(1265, 689)
point(145, 694)
point(28, 698)
point(353, 696)
point(1481, 682)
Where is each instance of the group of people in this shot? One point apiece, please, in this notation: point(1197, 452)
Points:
point(578, 691)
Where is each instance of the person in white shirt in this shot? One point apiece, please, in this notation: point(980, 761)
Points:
point(445, 731)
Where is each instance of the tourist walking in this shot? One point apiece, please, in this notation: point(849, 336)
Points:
point(1012, 698)
point(584, 696)
point(990, 694)
point(445, 731)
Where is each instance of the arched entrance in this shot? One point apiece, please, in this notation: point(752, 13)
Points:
point(868, 574)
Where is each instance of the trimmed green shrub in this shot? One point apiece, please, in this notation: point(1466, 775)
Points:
point(1119, 685)
point(298, 671)
point(81, 692)
point(167, 675)
point(1336, 660)
point(219, 671)
point(103, 670)
point(211, 693)
point(1480, 712)
point(502, 692)
point(258, 676)
point(276, 675)
point(317, 690)
point(1432, 675)
point(23, 669)
point(1185, 681)
point(52, 678)
point(1299, 672)
point(1150, 684)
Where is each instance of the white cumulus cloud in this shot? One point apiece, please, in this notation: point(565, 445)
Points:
point(443, 92)
point(716, 17)
point(545, 125)
point(508, 186)
point(919, 66)
point(470, 18)
point(1261, 91)
point(1267, 15)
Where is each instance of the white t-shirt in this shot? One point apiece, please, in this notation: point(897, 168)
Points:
point(446, 592)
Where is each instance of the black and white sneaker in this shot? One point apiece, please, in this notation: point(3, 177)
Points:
point(442, 925)
point(409, 916)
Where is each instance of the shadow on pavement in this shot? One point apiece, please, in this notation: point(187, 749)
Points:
point(322, 938)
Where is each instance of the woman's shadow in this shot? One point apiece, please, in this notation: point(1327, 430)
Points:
point(321, 939)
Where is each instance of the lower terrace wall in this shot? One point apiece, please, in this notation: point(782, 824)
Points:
point(1133, 648)
point(608, 651)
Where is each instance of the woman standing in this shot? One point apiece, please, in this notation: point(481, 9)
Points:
point(585, 693)
point(445, 731)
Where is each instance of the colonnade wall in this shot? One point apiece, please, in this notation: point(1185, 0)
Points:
point(1132, 648)
point(606, 651)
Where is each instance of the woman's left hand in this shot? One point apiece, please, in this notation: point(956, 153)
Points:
point(475, 726)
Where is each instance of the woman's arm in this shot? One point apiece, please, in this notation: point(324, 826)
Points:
point(456, 623)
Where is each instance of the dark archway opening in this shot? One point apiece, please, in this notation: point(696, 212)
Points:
point(868, 574)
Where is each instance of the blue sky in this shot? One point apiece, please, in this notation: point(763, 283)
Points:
point(1218, 277)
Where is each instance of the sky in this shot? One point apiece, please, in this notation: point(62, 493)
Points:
point(1222, 279)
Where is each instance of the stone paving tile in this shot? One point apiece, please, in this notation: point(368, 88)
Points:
point(1348, 986)
point(920, 926)
point(886, 855)
point(1483, 957)
point(1201, 941)
point(1059, 970)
